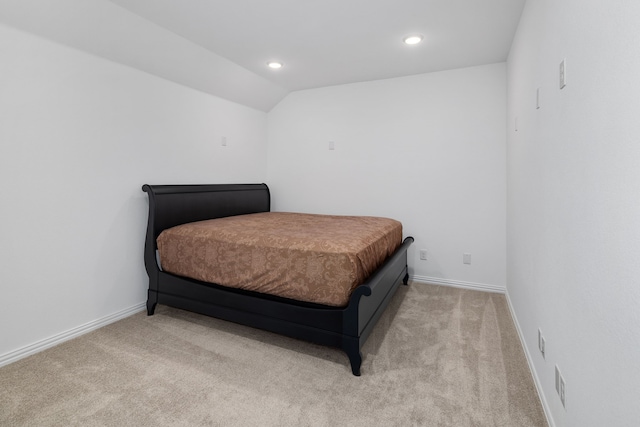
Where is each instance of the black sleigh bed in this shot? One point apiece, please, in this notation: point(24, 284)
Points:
point(344, 327)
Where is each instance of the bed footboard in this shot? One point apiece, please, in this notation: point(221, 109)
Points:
point(369, 301)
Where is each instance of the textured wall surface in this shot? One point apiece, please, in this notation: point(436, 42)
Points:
point(574, 204)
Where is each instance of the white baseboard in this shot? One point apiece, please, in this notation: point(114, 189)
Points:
point(534, 374)
point(459, 284)
point(23, 352)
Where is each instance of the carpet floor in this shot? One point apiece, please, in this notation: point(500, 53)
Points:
point(439, 356)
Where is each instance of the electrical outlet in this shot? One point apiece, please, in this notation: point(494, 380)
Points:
point(541, 343)
point(563, 74)
point(423, 254)
point(466, 258)
point(561, 387)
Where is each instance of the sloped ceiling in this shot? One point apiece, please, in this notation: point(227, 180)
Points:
point(329, 42)
point(221, 47)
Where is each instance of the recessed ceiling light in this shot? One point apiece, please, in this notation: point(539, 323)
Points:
point(274, 64)
point(413, 38)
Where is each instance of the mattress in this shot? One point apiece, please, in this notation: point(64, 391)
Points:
point(305, 257)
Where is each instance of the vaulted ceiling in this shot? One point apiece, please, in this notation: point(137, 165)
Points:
point(329, 42)
point(222, 46)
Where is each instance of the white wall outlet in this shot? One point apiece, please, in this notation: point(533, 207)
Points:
point(423, 254)
point(223, 141)
point(332, 145)
point(563, 389)
point(563, 73)
point(466, 258)
point(541, 343)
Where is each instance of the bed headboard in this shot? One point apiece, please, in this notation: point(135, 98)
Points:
point(171, 205)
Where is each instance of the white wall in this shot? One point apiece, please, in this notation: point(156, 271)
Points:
point(79, 135)
point(574, 204)
point(428, 150)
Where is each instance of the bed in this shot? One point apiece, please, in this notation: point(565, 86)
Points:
point(346, 327)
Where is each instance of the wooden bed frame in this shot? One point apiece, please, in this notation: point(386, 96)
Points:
point(344, 327)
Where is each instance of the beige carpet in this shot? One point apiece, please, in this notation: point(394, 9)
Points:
point(438, 357)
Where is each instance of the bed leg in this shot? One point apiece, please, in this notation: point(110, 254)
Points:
point(406, 279)
point(152, 301)
point(355, 357)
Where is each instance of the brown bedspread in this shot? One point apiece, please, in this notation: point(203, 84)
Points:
point(313, 258)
